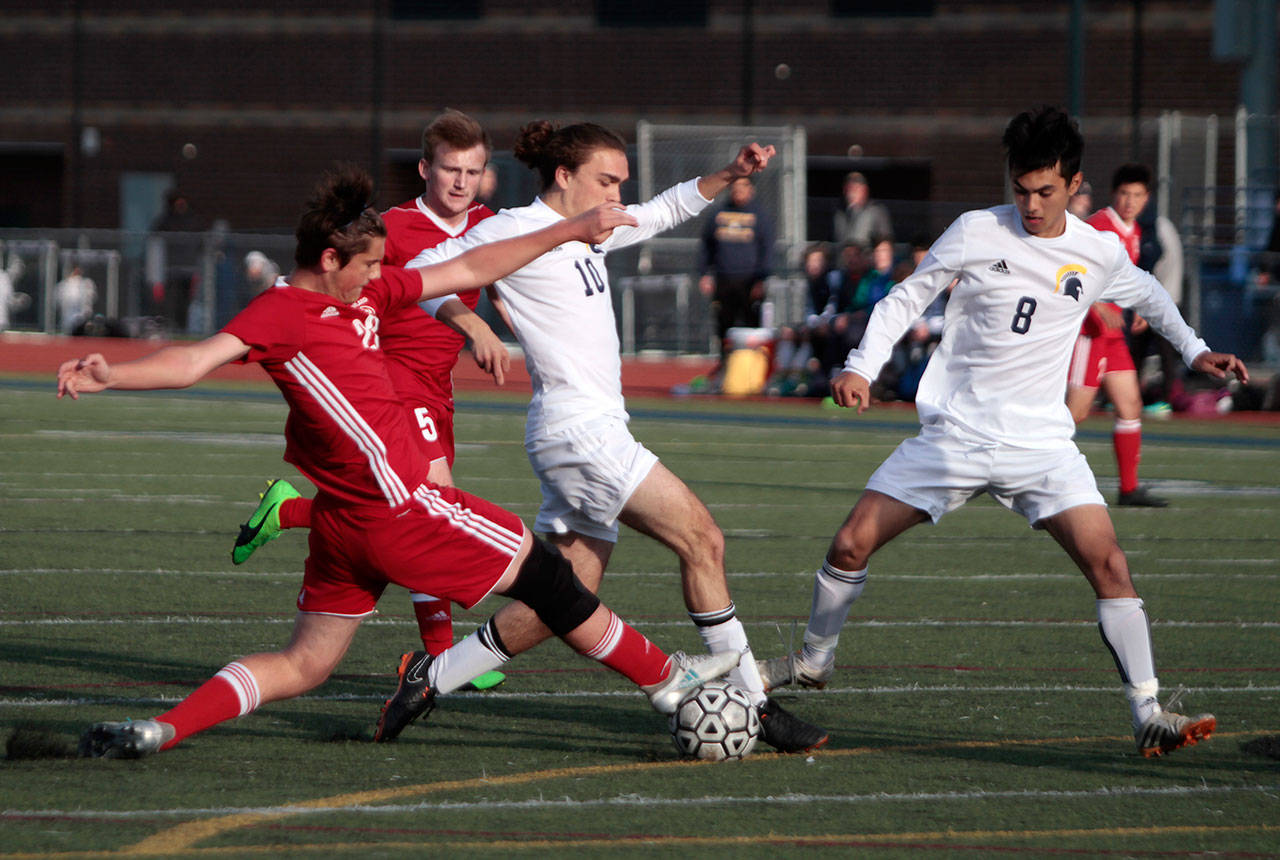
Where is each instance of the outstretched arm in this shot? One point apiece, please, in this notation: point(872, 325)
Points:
point(485, 264)
point(170, 367)
point(751, 159)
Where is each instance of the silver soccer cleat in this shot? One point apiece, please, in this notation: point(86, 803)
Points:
point(689, 672)
point(128, 739)
point(791, 669)
point(1166, 731)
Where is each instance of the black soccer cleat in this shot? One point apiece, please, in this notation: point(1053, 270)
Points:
point(786, 732)
point(413, 697)
point(1141, 497)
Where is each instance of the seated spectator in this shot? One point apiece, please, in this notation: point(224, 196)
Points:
point(797, 371)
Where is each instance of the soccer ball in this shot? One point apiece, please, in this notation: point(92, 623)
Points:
point(715, 722)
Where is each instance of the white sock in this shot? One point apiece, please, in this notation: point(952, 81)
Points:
point(834, 591)
point(726, 633)
point(244, 683)
point(478, 653)
point(1127, 633)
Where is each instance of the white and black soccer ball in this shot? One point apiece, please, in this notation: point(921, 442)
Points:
point(715, 722)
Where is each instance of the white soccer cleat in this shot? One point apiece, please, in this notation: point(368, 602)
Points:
point(791, 669)
point(687, 673)
point(1166, 731)
point(128, 739)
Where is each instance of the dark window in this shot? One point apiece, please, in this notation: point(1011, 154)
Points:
point(651, 13)
point(425, 10)
point(882, 8)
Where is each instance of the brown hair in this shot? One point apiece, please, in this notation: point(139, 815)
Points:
point(456, 129)
point(338, 215)
point(544, 148)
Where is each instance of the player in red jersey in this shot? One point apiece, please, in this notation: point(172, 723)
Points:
point(421, 350)
point(1101, 356)
point(378, 519)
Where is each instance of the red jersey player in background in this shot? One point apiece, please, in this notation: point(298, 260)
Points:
point(1101, 356)
point(421, 350)
point(378, 518)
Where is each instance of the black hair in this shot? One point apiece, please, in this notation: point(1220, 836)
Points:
point(1131, 172)
point(1043, 137)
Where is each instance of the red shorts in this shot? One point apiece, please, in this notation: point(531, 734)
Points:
point(1095, 357)
point(434, 418)
point(444, 542)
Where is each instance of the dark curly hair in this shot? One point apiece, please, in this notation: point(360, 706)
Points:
point(543, 147)
point(338, 215)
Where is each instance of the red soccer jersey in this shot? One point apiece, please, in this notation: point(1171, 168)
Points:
point(421, 351)
point(348, 430)
point(1131, 237)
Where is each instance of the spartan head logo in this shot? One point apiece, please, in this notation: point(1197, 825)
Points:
point(1070, 281)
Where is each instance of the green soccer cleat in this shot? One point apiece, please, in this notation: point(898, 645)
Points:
point(486, 681)
point(264, 525)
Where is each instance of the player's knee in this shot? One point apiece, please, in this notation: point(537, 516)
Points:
point(547, 585)
point(1111, 574)
point(851, 547)
point(700, 542)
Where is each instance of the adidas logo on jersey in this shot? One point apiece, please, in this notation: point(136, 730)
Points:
point(330, 311)
point(999, 267)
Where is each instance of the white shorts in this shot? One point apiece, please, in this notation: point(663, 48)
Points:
point(938, 471)
point(588, 472)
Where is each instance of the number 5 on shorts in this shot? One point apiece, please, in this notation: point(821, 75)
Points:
point(426, 423)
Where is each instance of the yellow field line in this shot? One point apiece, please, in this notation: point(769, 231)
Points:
point(183, 838)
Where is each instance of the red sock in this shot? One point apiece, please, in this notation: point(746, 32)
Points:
point(627, 652)
point(230, 693)
point(435, 621)
point(1126, 437)
point(295, 513)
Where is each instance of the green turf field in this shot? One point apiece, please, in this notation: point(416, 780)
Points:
point(974, 711)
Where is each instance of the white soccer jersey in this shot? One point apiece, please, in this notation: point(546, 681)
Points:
point(561, 309)
point(1011, 322)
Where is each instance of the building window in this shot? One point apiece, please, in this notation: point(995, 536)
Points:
point(435, 10)
point(651, 13)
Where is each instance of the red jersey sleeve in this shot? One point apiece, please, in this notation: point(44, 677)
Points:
point(270, 330)
point(395, 288)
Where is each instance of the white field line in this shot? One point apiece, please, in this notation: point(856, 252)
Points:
point(491, 695)
point(195, 620)
point(637, 800)
point(942, 575)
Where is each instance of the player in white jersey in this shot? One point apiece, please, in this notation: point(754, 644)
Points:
point(992, 410)
point(593, 472)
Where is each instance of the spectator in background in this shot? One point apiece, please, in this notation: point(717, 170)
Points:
point(9, 299)
point(181, 260)
point(798, 370)
point(1081, 203)
point(260, 272)
point(488, 186)
point(75, 295)
point(862, 220)
point(878, 280)
point(1160, 253)
point(734, 259)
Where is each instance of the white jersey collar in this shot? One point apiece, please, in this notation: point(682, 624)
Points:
point(440, 222)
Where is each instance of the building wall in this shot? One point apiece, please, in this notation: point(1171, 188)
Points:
point(268, 99)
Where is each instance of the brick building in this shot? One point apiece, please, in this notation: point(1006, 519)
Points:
point(241, 107)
